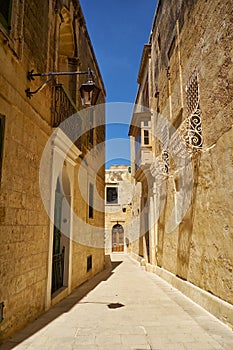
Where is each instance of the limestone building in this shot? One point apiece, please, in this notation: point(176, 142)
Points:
point(183, 160)
point(51, 159)
point(118, 208)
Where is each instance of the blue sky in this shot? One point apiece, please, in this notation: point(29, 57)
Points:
point(118, 31)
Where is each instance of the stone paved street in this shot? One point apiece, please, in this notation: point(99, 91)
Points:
point(124, 308)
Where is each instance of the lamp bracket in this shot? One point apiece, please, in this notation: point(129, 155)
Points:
point(31, 76)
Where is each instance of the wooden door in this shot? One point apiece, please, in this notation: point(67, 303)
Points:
point(117, 238)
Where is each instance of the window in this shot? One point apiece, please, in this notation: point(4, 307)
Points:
point(146, 123)
point(11, 24)
point(91, 201)
point(89, 263)
point(1, 142)
point(111, 195)
point(146, 137)
point(5, 13)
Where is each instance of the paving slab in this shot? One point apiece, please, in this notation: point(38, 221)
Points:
point(124, 308)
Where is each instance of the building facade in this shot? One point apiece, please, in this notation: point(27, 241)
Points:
point(185, 100)
point(118, 209)
point(51, 159)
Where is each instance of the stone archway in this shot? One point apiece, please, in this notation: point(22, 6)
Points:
point(117, 238)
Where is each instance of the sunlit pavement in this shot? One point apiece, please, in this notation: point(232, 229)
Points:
point(127, 308)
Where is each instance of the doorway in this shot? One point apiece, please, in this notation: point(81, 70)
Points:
point(61, 235)
point(117, 238)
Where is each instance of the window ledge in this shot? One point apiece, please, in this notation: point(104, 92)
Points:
point(7, 40)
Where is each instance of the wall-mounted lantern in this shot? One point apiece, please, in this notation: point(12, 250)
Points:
point(89, 91)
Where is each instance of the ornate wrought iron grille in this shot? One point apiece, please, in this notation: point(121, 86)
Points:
point(191, 129)
point(164, 153)
point(160, 167)
point(63, 107)
point(165, 158)
point(192, 93)
point(58, 270)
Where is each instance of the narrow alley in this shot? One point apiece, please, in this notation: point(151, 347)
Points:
point(124, 308)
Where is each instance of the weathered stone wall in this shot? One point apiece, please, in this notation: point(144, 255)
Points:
point(197, 36)
point(26, 233)
point(36, 28)
point(122, 211)
point(23, 221)
point(210, 260)
point(88, 235)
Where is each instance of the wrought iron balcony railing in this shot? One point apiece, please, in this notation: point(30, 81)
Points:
point(63, 106)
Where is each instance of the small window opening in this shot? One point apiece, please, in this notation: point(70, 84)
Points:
point(146, 137)
point(111, 195)
point(91, 201)
point(5, 13)
point(89, 263)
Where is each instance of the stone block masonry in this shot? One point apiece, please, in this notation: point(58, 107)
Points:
point(186, 76)
point(26, 232)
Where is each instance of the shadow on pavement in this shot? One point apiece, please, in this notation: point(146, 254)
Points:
point(62, 307)
point(115, 305)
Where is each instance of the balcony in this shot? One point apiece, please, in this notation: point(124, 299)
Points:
point(63, 106)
